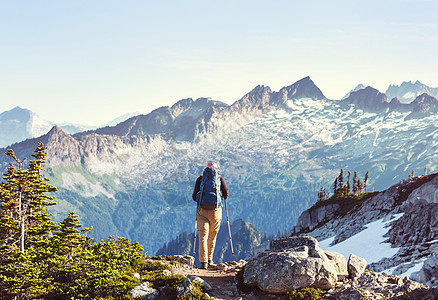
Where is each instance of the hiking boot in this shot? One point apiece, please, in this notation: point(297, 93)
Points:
point(211, 263)
point(204, 266)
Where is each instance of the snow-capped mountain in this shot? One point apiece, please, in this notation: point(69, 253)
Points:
point(274, 149)
point(408, 91)
point(19, 124)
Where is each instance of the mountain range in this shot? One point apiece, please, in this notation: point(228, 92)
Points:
point(274, 149)
point(19, 124)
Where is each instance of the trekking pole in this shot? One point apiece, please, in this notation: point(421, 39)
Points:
point(229, 230)
point(196, 227)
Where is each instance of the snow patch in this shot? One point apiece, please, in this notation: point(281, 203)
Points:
point(409, 95)
point(77, 183)
point(417, 267)
point(368, 243)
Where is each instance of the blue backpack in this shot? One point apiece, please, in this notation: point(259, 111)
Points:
point(209, 195)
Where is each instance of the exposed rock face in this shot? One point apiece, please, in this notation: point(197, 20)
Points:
point(304, 88)
point(368, 99)
point(311, 218)
point(356, 266)
point(414, 232)
point(302, 264)
point(429, 272)
point(423, 106)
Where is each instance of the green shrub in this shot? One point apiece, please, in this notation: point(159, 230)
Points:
point(307, 293)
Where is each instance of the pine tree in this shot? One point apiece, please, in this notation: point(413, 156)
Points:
point(341, 182)
point(335, 187)
point(25, 226)
point(367, 176)
point(39, 260)
point(322, 194)
point(347, 185)
point(355, 185)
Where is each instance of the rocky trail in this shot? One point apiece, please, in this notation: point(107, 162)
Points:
point(223, 284)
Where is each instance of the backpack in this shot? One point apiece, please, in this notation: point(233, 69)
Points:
point(209, 195)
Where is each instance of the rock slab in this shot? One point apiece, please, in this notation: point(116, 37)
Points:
point(356, 266)
point(292, 263)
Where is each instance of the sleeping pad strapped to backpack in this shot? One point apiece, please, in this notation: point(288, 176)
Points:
point(210, 195)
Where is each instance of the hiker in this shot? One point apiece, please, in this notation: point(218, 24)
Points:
point(210, 189)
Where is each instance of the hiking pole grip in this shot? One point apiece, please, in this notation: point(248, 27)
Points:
point(229, 229)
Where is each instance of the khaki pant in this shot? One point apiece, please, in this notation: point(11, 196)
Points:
point(209, 221)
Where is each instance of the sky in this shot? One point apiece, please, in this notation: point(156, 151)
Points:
point(88, 62)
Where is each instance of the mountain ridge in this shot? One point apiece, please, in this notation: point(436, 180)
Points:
point(269, 152)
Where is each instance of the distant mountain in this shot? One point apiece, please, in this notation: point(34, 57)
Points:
point(360, 86)
point(368, 99)
point(274, 148)
point(181, 121)
point(19, 124)
point(395, 230)
point(408, 91)
point(120, 119)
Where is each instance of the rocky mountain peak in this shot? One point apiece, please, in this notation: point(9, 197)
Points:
point(408, 91)
point(360, 86)
point(256, 99)
point(303, 88)
point(368, 99)
point(425, 104)
point(181, 106)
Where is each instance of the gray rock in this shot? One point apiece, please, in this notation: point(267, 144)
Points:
point(378, 286)
point(302, 263)
point(339, 262)
point(185, 288)
point(196, 279)
point(136, 276)
point(185, 259)
point(429, 271)
point(143, 291)
point(356, 266)
point(311, 218)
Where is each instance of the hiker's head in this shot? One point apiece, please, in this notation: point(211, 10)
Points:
point(212, 164)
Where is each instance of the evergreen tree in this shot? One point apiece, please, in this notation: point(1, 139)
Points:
point(322, 194)
point(335, 187)
point(39, 260)
point(341, 182)
point(25, 226)
point(347, 185)
point(367, 176)
point(355, 184)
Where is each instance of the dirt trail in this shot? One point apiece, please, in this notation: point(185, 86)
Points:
point(224, 286)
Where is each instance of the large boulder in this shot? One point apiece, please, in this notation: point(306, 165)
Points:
point(339, 262)
point(356, 266)
point(292, 263)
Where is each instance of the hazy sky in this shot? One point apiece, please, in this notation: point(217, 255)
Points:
point(90, 61)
